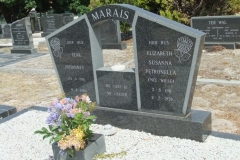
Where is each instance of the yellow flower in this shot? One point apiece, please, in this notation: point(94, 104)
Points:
point(75, 139)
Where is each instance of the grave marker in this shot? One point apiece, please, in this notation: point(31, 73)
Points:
point(22, 37)
point(51, 23)
point(220, 30)
point(156, 95)
point(6, 30)
point(111, 35)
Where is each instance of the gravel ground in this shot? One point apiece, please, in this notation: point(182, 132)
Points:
point(137, 145)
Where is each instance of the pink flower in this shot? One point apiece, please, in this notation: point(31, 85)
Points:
point(77, 98)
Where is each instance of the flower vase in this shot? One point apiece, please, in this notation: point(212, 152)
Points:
point(95, 145)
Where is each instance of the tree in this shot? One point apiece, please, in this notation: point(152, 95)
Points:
point(73, 6)
point(15, 9)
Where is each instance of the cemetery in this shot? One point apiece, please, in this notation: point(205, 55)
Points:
point(159, 94)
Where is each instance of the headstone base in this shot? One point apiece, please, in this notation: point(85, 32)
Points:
point(225, 45)
point(196, 126)
point(24, 51)
point(44, 34)
point(121, 45)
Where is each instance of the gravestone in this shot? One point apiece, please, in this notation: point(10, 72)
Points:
point(35, 22)
point(156, 95)
point(111, 35)
point(51, 23)
point(6, 30)
point(67, 17)
point(22, 39)
point(1, 36)
point(220, 30)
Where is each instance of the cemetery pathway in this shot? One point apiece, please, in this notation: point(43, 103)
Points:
point(33, 81)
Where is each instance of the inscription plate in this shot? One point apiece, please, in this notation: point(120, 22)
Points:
point(111, 12)
point(117, 89)
point(71, 52)
point(218, 28)
point(19, 33)
point(164, 63)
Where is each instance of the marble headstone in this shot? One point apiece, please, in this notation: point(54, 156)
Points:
point(156, 95)
point(51, 23)
point(22, 39)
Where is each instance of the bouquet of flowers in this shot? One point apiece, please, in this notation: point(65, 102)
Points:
point(69, 121)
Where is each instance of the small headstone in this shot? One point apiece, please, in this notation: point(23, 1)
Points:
point(111, 35)
point(22, 36)
point(120, 93)
point(6, 30)
point(220, 30)
point(51, 23)
point(35, 22)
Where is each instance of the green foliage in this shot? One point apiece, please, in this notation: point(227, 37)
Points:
point(97, 3)
point(183, 10)
point(124, 27)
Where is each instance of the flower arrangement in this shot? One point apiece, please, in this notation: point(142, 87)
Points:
point(69, 121)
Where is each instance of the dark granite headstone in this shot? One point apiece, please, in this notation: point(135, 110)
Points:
point(6, 30)
point(165, 59)
point(71, 52)
point(51, 23)
point(67, 17)
point(218, 29)
point(156, 95)
point(111, 35)
point(22, 36)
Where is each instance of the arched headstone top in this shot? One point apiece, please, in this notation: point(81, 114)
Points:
point(118, 12)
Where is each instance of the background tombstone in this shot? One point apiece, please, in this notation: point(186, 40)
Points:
point(220, 30)
point(1, 31)
point(22, 36)
point(67, 17)
point(111, 35)
point(167, 56)
point(35, 22)
point(51, 23)
point(6, 30)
